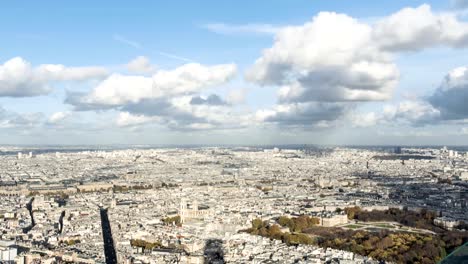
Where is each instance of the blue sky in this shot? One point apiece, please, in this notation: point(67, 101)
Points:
point(221, 41)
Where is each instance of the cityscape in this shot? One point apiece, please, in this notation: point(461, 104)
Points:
point(222, 205)
point(234, 131)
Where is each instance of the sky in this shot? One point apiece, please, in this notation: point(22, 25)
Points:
point(234, 72)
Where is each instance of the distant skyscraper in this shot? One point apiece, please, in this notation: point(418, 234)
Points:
point(397, 150)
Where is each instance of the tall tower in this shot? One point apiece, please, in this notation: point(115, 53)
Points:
point(182, 209)
point(183, 204)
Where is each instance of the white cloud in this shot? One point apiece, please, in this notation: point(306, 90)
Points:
point(19, 79)
point(331, 59)
point(58, 72)
point(119, 90)
point(140, 65)
point(192, 77)
point(169, 97)
point(179, 113)
point(448, 104)
point(208, 115)
point(418, 28)
point(309, 115)
point(337, 59)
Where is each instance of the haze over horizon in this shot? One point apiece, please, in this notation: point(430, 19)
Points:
point(234, 72)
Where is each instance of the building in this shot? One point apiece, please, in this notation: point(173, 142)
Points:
point(446, 222)
point(397, 150)
point(8, 251)
point(333, 220)
point(189, 211)
point(464, 175)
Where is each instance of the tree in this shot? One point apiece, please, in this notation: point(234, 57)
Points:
point(172, 220)
point(301, 223)
point(257, 223)
point(275, 232)
point(351, 211)
point(284, 221)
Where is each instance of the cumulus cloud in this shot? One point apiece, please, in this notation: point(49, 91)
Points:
point(322, 68)
point(180, 113)
point(19, 79)
point(446, 105)
point(340, 60)
point(169, 97)
point(140, 65)
point(192, 77)
point(119, 90)
point(58, 72)
point(413, 29)
point(172, 112)
point(416, 112)
point(451, 97)
point(205, 116)
point(313, 114)
point(331, 59)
